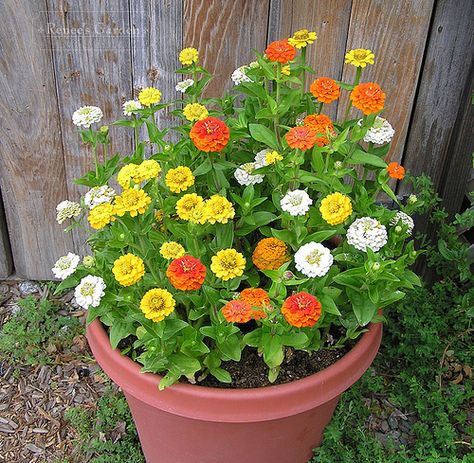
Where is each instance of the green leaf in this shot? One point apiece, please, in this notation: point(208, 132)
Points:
point(168, 380)
point(173, 326)
point(272, 350)
point(296, 340)
point(230, 347)
point(320, 236)
point(203, 168)
point(224, 235)
point(119, 331)
point(184, 365)
point(361, 157)
point(221, 375)
point(364, 308)
point(329, 306)
point(264, 135)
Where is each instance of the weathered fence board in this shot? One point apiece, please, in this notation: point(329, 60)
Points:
point(225, 34)
point(448, 64)
point(92, 65)
point(330, 20)
point(396, 32)
point(33, 178)
point(6, 262)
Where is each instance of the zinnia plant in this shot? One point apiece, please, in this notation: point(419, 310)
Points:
point(263, 227)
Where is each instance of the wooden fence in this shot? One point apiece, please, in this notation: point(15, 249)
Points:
point(57, 55)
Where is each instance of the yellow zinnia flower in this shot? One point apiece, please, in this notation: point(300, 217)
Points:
point(335, 208)
point(360, 57)
point(179, 179)
point(157, 304)
point(189, 56)
point(302, 38)
point(187, 204)
point(133, 201)
point(227, 264)
point(286, 70)
point(101, 215)
point(199, 214)
point(272, 157)
point(149, 96)
point(219, 209)
point(146, 170)
point(172, 250)
point(128, 173)
point(195, 112)
point(128, 269)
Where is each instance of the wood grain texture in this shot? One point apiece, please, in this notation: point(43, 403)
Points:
point(157, 39)
point(6, 263)
point(330, 20)
point(432, 147)
point(396, 32)
point(32, 176)
point(92, 60)
point(225, 33)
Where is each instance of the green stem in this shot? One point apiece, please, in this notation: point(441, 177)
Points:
point(320, 107)
point(326, 164)
point(276, 119)
point(135, 127)
point(94, 153)
point(303, 73)
point(356, 82)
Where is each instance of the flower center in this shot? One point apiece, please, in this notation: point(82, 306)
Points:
point(87, 289)
point(314, 257)
point(360, 54)
point(302, 35)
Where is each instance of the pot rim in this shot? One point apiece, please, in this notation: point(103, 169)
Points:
point(236, 405)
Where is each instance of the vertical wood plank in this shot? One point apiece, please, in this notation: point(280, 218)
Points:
point(91, 51)
point(157, 39)
point(225, 33)
point(396, 32)
point(6, 266)
point(32, 176)
point(330, 21)
point(431, 148)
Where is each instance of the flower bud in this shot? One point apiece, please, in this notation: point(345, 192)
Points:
point(288, 275)
point(88, 261)
point(104, 129)
point(247, 205)
point(122, 236)
point(375, 266)
point(412, 199)
point(167, 148)
point(338, 165)
point(398, 229)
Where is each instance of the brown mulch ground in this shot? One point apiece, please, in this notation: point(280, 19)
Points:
point(33, 400)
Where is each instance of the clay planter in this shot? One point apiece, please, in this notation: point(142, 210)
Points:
point(277, 424)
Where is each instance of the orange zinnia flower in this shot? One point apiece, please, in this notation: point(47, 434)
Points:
point(186, 273)
point(395, 170)
point(256, 297)
point(320, 124)
point(301, 137)
point(210, 134)
point(301, 309)
point(280, 51)
point(237, 311)
point(325, 90)
point(368, 97)
point(270, 254)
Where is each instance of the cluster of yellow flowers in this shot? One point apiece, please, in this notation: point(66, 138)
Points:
point(192, 207)
point(138, 173)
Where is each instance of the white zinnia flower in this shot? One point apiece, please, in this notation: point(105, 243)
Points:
point(296, 202)
point(65, 266)
point(89, 291)
point(313, 259)
point(67, 210)
point(381, 132)
point(245, 176)
point(239, 75)
point(184, 85)
point(86, 116)
point(99, 195)
point(367, 233)
point(130, 107)
point(405, 219)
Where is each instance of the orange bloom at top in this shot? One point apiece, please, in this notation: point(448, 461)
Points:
point(301, 137)
point(325, 90)
point(270, 254)
point(395, 170)
point(256, 297)
point(301, 310)
point(186, 273)
point(210, 134)
point(321, 125)
point(237, 311)
point(280, 51)
point(368, 97)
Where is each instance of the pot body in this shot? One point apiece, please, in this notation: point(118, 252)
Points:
point(276, 424)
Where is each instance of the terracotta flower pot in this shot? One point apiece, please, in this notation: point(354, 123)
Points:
point(277, 424)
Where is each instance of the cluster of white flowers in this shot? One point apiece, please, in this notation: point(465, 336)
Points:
point(313, 259)
point(130, 107)
point(239, 75)
point(367, 233)
point(99, 195)
point(245, 176)
point(86, 116)
point(65, 266)
point(405, 219)
point(67, 210)
point(89, 291)
point(381, 132)
point(296, 202)
point(184, 85)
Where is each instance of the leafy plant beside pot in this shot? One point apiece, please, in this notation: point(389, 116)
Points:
point(219, 243)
